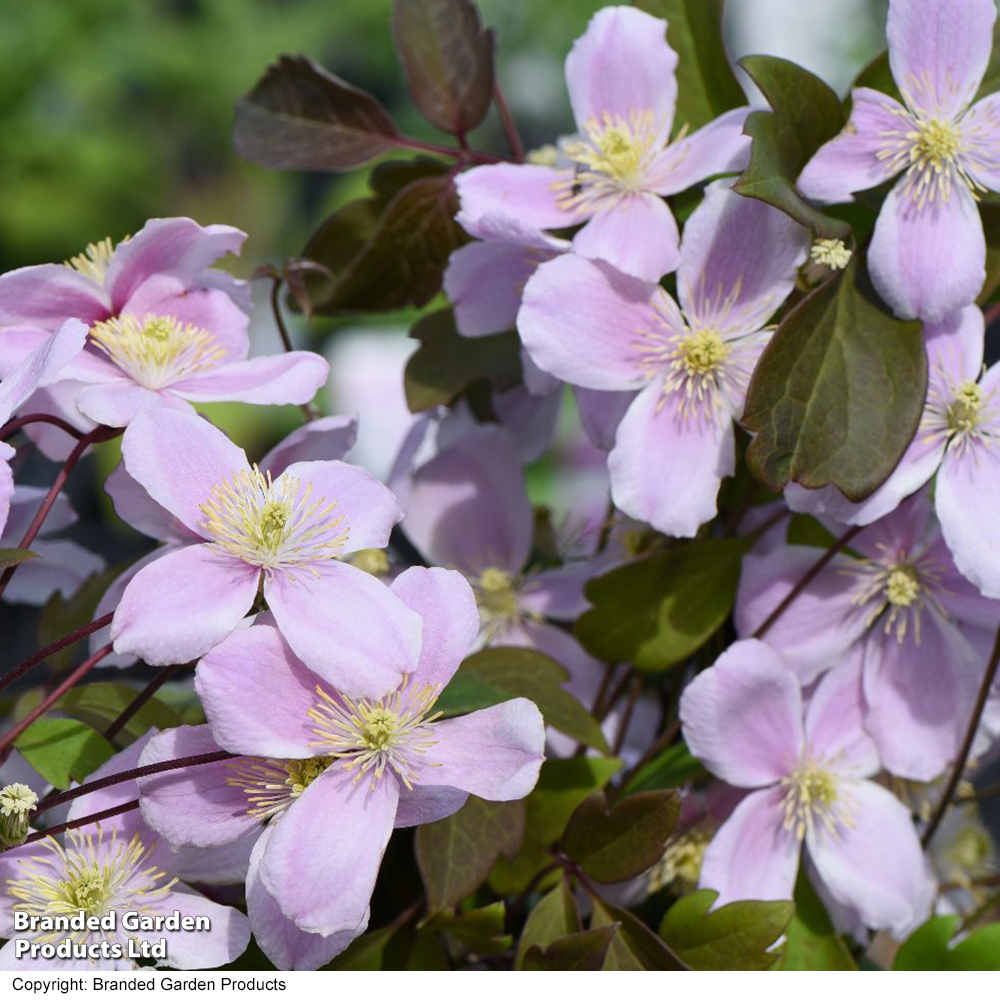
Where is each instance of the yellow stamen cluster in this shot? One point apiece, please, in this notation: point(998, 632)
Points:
point(833, 254)
point(696, 369)
point(89, 874)
point(17, 802)
point(964, 412)
point(371, 736)
point(274, 525)
point(156, 350)
point(680, 867)
point(812, 796)
point(94, 260)
point(272, 785)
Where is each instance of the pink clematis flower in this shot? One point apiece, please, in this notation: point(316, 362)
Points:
point(594, 327)
point(928, 253)
point(165, 328)
point(41, 367)
point(809, 767)
point(621, 79)
point(117, 866)
point(332, 775)
point(897, 604)
point(957, 441)
point(244, 532)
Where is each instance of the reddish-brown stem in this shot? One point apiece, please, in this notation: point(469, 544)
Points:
point(140, 699)
point(408, 142)
point(72, 824)
point(60, 689)
point(136, 772)
point(633, 697)
point(53, 647)
point(991, 314)
point(666, 738)
point(96, 435)
point(807, 578)
point(11, 428)
point(970, 735)
point(307, 408)
point(507, 121)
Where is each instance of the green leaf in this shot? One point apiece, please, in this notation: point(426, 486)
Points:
point(584, 951)
point(620, 843)
point(60, 616)
point(989, 211)
point(448, 60)
point(500, 673)
point(480, 930)
point(926, 949)
point(655, 612)
point(364, 954)
point(670, 769)
point(735, 936)
point(812, 943)
point(63, 750)
point(301, 117)
point(706, 84)
point(562, 785)
point(446, 363)
point(837, 394)
point(99, 704)
point(637, 945)
point(805, 114)
point(455, 854)
point(555, 916)
point(14, 557)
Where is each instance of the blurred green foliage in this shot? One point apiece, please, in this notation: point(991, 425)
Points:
point(113, 111)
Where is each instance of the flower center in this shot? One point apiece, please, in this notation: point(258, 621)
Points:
point(156, 351)
point(93, 873)
point(274, 525)
point(696, 370)
point(812, 796)
point(963, 414)
point(830, 253)
point(371, 736)
point(94, 260)
point(680, 866)
point(612, 157)
point(272, 785)
point(902, 586)
point(17, 802)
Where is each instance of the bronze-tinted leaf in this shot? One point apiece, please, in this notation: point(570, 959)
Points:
point(447, 56)
point(584, 951)
point(299, 116)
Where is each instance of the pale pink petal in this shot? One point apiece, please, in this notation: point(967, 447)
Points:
point(49, 294)
point(324, 854)
point(495, 753)
point(62, 566)
point(177, 247)
point(531, 417)
point(823, 621)
point(224, 943)
point(919, 696)
point(118, 403)
point(874, 863)
point(285, 944)
point(367, 510)
point(739, 261)
point(720, 147)
point(524, 191)
point(622, 65)
point(427, 804)
point(666, 468)
point(637, 235)
point(850, 162)
point(938, 51)
point(743, 716)
point(966, 485)
point(24, 506)
point(601, 413)
point(581, 320)
point(447, 606)
point(484, 282)
point(324, 440)
point(193, 805)
point(258, 695)
point(981, 139)
point(468, 508)
point(558, 593)
point(178, 458)
point(927, 262)
point(834, 723)
point(292, 377)
point(752, 856)
point(178, 607)
point(137, 508)
point(6, 482)
point(346, 626)
point(45, 364)
point(58, 400)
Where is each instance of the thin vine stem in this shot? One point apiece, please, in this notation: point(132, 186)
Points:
point(12, 427)
point(73, 824)
point(129, 711)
